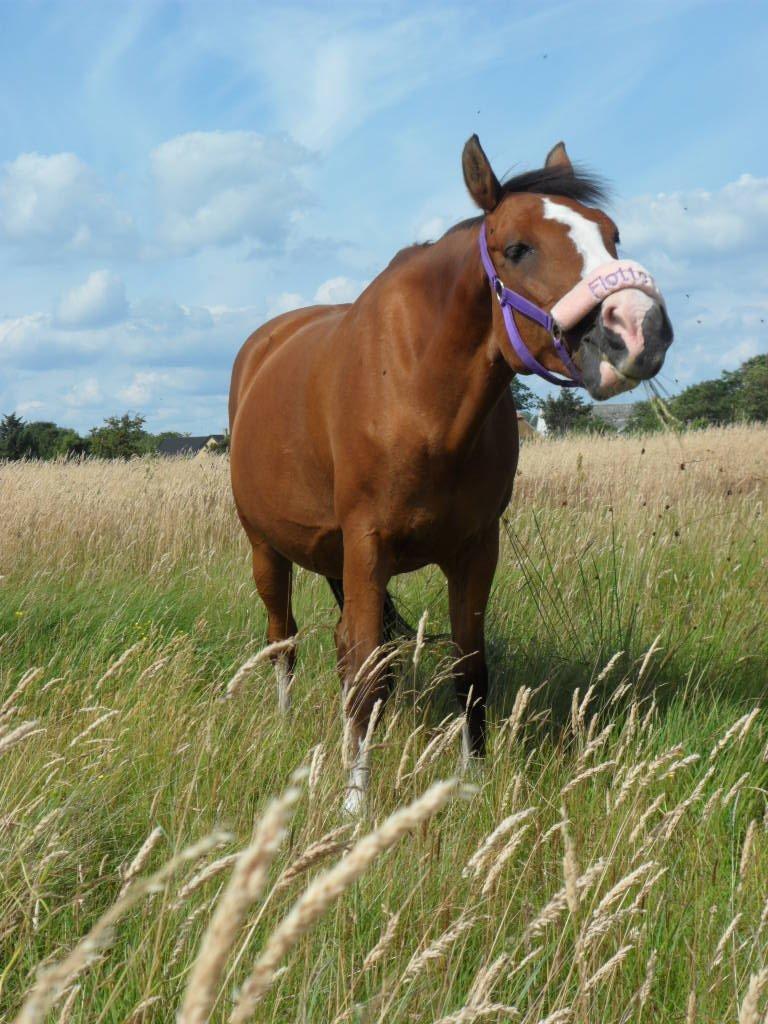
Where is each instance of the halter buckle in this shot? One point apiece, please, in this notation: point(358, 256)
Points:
point(498, 287)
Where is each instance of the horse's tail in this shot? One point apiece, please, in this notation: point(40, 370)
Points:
point(395, 626)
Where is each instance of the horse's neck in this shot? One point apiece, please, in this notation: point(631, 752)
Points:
point(460, 372)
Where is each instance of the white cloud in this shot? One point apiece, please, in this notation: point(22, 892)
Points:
point(142, 387)
point(54, 205)
point(84, 393)
point(170, 362)
point(33, 342)
point(329, 71)
point(729, 220)
point(29, 408)
point(157, 311)
point(431, 229)
point(337, 290)
point(155, 389)
point(737, 354)
point(284, 302)
point(18, 333)
point(99, 301)
point(707, 250)
point(156, 333)
point(218, 188)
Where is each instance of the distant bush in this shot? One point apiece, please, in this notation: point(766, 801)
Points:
point(568, 413)
point(121, 437)
point(737, 396)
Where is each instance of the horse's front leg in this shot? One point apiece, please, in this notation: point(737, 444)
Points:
point(470, 575)
point(359, 633)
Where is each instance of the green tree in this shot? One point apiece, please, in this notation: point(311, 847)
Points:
point(751, 398)
point(14, 440)
point(736, 395)
point(121, 437)
point(710, 403)
point(568, 412)
point(525, 399)
point(43, 436)
point(644, 419)
point(69, 442)
point(50, 440)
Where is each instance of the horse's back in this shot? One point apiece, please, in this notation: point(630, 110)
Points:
point(269, 339)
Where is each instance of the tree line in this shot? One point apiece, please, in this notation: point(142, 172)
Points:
point(736, 396)
point(119, 437)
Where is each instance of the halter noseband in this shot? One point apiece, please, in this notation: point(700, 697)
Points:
point(567, 312)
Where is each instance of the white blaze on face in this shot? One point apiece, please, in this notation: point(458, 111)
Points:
point(622, 312)
point(585, 235)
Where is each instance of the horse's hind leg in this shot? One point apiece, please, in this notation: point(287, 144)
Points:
point(273, 577)
point(470, 576)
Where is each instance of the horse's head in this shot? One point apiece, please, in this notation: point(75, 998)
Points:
point(548, 246)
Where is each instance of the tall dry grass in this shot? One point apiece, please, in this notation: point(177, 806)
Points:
point(609, 863)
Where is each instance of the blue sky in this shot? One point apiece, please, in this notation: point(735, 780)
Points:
point(172, 174)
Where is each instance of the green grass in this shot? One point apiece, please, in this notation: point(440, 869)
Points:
point(586, 571)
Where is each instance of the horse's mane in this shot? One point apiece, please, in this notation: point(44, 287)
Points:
point(575, 183)
point(407, 251)
point(572, 183)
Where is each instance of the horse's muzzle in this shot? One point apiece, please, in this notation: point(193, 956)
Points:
point(626, 344)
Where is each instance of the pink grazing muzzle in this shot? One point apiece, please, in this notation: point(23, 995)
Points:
point(626, 291)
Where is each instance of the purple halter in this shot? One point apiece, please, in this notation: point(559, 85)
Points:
point(509, 301)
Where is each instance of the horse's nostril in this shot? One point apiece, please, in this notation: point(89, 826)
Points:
point(615, 342)
point(614, 323)
point(611, 315)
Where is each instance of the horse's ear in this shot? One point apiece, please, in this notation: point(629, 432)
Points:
point(558, 157)
point(479, 178)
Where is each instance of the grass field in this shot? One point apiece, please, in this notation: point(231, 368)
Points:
point(626, 877)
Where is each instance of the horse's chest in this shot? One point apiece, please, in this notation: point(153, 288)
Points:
point(440, 502)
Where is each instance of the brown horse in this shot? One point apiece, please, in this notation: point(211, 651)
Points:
point(373, 438)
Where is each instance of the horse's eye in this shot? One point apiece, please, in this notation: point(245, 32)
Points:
point(516, 251)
